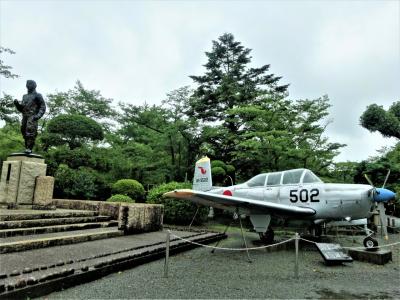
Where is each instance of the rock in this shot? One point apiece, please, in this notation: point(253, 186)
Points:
point(15, 273)
point(31, 281)
point(140, 217)
point(43, 194)
point(27, 270)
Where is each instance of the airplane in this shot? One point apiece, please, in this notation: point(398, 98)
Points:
point(293, 194)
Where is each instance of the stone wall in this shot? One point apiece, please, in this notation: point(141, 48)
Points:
point(132, 218)
point(103, 208)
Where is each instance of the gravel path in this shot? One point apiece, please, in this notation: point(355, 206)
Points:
point(200, 274)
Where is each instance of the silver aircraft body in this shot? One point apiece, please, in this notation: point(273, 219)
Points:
point(292, 194)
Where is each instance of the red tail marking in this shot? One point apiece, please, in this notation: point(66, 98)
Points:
point(202, 170)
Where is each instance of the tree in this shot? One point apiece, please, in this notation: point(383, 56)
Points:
point(229, 82)
point(74, 130)
point(81, 101)
point(8, 112)
point(281, 134)
point(4, 69)
point(376, 118)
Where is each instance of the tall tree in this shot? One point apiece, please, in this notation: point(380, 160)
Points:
point(376, 118)
point(230, 82)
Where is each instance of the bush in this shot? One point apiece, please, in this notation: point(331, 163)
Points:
point(230, 170)
point(176, 211)
point(120, 198)
point(129, 187)
point(218, 174)
point(218, 163)
point(74, 184)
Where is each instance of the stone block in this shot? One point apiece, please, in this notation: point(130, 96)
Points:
point(43, 195)
point(9, 181)
point(379, 257)
point(27, 180)
point(140, 217)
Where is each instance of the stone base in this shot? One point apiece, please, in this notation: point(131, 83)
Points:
point(140, 217)
point(18, 178)
point(379, 257)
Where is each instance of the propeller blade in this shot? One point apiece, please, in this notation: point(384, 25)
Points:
point(382, 217)
point(369, 180)
point(387, 176)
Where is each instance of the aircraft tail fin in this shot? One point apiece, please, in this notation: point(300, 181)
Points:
point(202, 180)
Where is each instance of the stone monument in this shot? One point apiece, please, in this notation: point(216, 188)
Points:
point(23, 177)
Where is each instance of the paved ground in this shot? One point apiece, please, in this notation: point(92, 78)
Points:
point(200, 274)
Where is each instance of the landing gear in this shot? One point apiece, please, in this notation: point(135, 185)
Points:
point(267, 237)
point(370, 243)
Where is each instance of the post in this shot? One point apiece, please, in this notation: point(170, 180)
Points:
point(167, 254)
point(296, 264)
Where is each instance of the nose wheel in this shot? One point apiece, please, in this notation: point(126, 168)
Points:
point(370, 243)
point(267, 237)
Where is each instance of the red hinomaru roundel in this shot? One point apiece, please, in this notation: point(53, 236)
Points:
point(227, 193)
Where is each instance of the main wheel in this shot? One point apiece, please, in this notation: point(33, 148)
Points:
point(267, 237)
point(370, 243)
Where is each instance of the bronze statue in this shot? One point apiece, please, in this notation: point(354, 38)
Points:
point(32, 108)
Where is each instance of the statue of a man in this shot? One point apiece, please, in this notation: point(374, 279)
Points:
point(32, 108)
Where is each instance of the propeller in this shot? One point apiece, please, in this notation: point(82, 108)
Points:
point(380, 196)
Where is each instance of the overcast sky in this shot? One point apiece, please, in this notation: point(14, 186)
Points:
point(137, 51)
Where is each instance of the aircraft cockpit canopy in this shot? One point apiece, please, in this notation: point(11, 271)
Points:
point(296, 176)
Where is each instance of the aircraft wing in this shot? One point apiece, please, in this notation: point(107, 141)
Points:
point(231, 202)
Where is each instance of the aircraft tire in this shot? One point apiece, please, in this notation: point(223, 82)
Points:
point(370, 243)
point(267, 237)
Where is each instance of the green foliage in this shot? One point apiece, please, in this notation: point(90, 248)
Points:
point(229, 82)
point(218, 163)
point(218, 174)
point(129, 187)
point(80, 101)
point(10, 140)
point(74, 184)
point(176, 211)
point(4, 69)
point(120, 198)
point(375, 118)
point(280, 134)
point(74, 130)
point(8, 112)
point(230, 170)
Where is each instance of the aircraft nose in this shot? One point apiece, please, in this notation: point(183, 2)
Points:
point(384, 195)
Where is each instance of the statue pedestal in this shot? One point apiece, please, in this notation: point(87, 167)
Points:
point(19, 178)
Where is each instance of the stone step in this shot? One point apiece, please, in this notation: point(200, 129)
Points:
point(29, 214)
point(56, 228)
point(22, 243)
point(50, 222)
point(39, 272)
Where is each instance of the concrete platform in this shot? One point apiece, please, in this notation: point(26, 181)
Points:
point(41, 271)
point(379, 257)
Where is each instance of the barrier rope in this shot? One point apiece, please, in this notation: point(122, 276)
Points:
point(386, 245)
point(229, 249)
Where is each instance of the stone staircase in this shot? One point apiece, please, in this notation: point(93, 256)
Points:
point(22, 230)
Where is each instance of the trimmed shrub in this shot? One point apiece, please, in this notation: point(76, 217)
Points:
point(218, 174)
point(120, 198)
point(129, 187)
point(218, 163)
point(176, 211)
point(230, 170)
